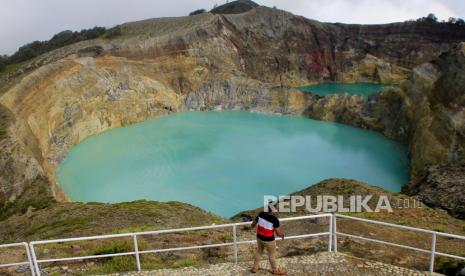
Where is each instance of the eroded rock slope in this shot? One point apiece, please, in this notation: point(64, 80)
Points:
point(242, 61)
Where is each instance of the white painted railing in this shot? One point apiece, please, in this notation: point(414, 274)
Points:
point(332, 233)
point(431, 251)
point(28, 254)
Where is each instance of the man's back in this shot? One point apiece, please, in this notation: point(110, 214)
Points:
point(267, 223)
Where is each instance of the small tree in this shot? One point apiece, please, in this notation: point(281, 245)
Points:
point(3, 61)
point(199, 11)
point(113, 32)
point(432, 17)
point(61, 39)
point(460, 22)
point(451, 20)
point(28, 51)
point(93, 33)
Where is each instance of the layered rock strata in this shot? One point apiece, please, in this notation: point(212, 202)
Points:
point(242, 61)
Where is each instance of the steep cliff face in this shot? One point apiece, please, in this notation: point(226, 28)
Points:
point(240, 61)
point(279, 47)
point(406, 44)
point(441, 186)
point(384, 112)
point(61, 103)
point(437, 95)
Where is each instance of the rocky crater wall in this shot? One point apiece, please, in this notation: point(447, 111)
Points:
point(247, 61)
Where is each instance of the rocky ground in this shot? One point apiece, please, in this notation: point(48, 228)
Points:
point(318, 264)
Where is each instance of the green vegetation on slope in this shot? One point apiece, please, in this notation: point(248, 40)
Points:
point(59, 40)
point(36, 48)
point(63, 220)
point(4, 120)
point(3, 61)
point(113, 32)
point(432, 18)
point(199, 11)
point(235, 7)
point(404, 212)
point(36, 196)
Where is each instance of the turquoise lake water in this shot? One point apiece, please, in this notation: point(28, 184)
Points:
point(362, 88)
point(224, 162)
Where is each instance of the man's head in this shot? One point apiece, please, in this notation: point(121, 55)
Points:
point(272, 207)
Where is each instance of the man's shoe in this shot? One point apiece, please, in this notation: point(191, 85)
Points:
point(279, 271)
point(254, 270)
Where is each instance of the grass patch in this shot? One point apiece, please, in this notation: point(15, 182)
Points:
point(12, 68)
point(64, 225)
point(113, 32)
point(127, 263)
point(4, 122)
point(36, 195)
point(439, 228)
point(112, 247)
point(115, 265)
point(136, 229)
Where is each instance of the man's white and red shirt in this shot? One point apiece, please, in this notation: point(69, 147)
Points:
point(266, 224)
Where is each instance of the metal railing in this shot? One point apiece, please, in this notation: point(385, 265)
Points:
point(28, 254)
point(431, 251)
point(34, 262)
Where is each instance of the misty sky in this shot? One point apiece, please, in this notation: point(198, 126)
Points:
point(23, 21)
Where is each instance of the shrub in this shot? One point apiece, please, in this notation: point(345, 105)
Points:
point(460, 22)
point(199, 11)
point(3, 61)
point(35, 195)
point(112, 247)
point(113, 32)
point(63, 226)
point(119, 263)
point(432, 17)
point(449, 266)
point(115, 265)
point(4, 119)
point(59, 40)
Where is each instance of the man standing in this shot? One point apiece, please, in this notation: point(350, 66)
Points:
point(268, 226)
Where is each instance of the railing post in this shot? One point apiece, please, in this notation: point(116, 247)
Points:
point(235, 242)
point(334, 233)
point(330, 240)
point(31, 264)
point(34, 259)
point(136, 252)
point(433, 252)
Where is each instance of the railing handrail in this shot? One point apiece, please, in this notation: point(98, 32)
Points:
point(167, 231)
point(28, 255)
point(332, 232)
point(434, 234)
point(13, 244)
point(402, 226)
